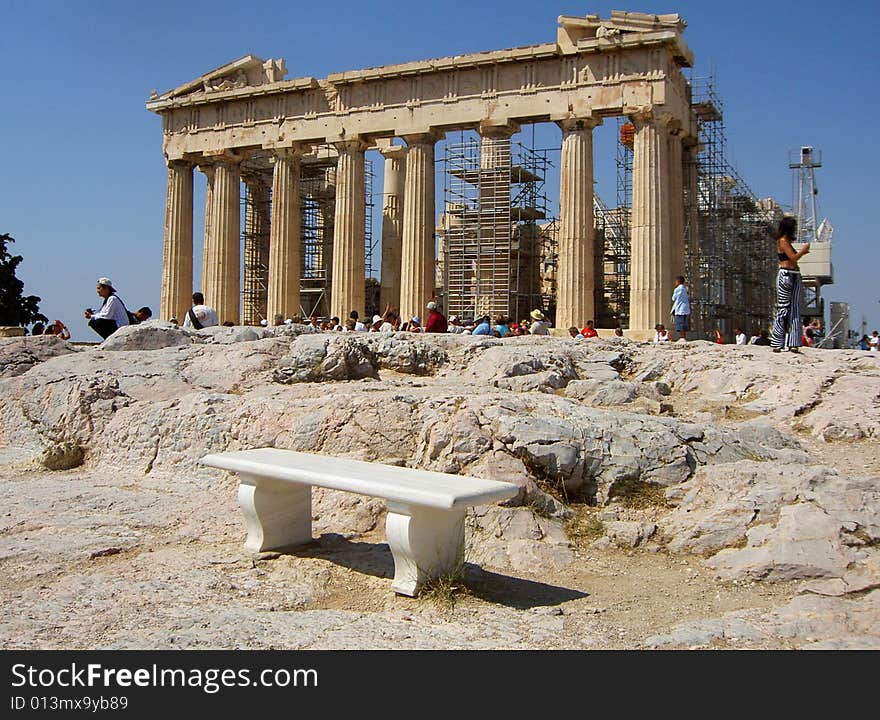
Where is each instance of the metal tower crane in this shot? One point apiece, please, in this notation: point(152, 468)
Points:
point(816, 269)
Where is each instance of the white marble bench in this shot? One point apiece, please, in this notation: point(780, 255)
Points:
point(426, 510)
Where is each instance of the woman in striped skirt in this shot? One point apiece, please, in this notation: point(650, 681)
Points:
point(789, 289)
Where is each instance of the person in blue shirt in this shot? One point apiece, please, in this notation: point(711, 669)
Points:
point(484, 327)
point(681, 308)
point(502, 326)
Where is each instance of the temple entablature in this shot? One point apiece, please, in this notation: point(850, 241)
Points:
point(604, 67)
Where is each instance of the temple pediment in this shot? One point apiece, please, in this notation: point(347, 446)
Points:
point(576, 32)
point(246, 71)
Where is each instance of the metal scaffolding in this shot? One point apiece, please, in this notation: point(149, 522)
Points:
point(491, 242)
point(613, 308)
point(730, 262)
point(318, 203)
point(730, 270)
point(256, 204)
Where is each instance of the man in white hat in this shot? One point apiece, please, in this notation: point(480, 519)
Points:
point(436, 322)
point(112, 314)
point(455, 325)
point(539, 326)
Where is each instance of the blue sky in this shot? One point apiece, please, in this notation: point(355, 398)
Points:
point(83, 186)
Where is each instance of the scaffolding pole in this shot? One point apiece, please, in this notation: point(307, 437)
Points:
point(491, 241)
point(730, 270)
point(318, 203)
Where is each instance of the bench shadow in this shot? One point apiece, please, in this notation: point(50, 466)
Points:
point(375, 559)
point(516, 592)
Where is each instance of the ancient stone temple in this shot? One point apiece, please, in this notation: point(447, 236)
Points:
point(244, 121)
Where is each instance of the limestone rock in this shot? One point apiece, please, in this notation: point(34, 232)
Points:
point(804, 543)
point(345, 513)
point(624, 534)
point(317, 358)
point(776, 522)
point(149, 335)
point(20, 354)
point(228, 335)
point(806, 622)
point(404, 354)
point(515, 539)
point(62, 456)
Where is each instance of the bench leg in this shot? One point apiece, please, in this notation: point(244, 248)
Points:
point(426, 543)
point(277, 514)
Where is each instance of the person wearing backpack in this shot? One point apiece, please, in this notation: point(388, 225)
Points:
point(200, 315)
point(112, 315)
point(141, 315)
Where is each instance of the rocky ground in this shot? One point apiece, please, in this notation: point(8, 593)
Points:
point(686, 495)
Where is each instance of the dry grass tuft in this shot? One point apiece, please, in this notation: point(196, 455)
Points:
point(444, 591)
point(584, 527)
point(639, 495)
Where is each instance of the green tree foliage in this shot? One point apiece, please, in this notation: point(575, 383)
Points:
point(15, 308)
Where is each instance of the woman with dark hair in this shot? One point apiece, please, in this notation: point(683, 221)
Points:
point(786, 331)
point(112, 314)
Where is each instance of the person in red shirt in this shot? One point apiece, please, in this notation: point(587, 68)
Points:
point(436, 322)
point(589, 331)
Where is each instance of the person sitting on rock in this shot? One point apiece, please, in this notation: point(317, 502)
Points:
point(358, 325)
point(502, 326)
point(763, 338)
point(200, 315)
point(436, 322)
point(661, 334)
point(540, 325)
point(112, 314)
point(143, 313)
point(59, 329)
point(589, 331)
point(575, 333)
point(455, 326)
point(390, 322)
point(38, 329)
point(483, 327)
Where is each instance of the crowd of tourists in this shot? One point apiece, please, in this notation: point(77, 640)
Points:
point(787, 333)
point(433, 322)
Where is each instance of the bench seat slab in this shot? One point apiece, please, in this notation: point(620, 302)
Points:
point(277, 513)
point(426, 543)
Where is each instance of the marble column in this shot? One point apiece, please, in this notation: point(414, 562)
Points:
point(177, 255)
point(348, 283)
point(575, 267)
point(392, 224)
point(417, 253)
point(222, 261)
point(285, 251)
point(495, 145)
point(650, 296)
point(256, 250)
point(206, 167)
